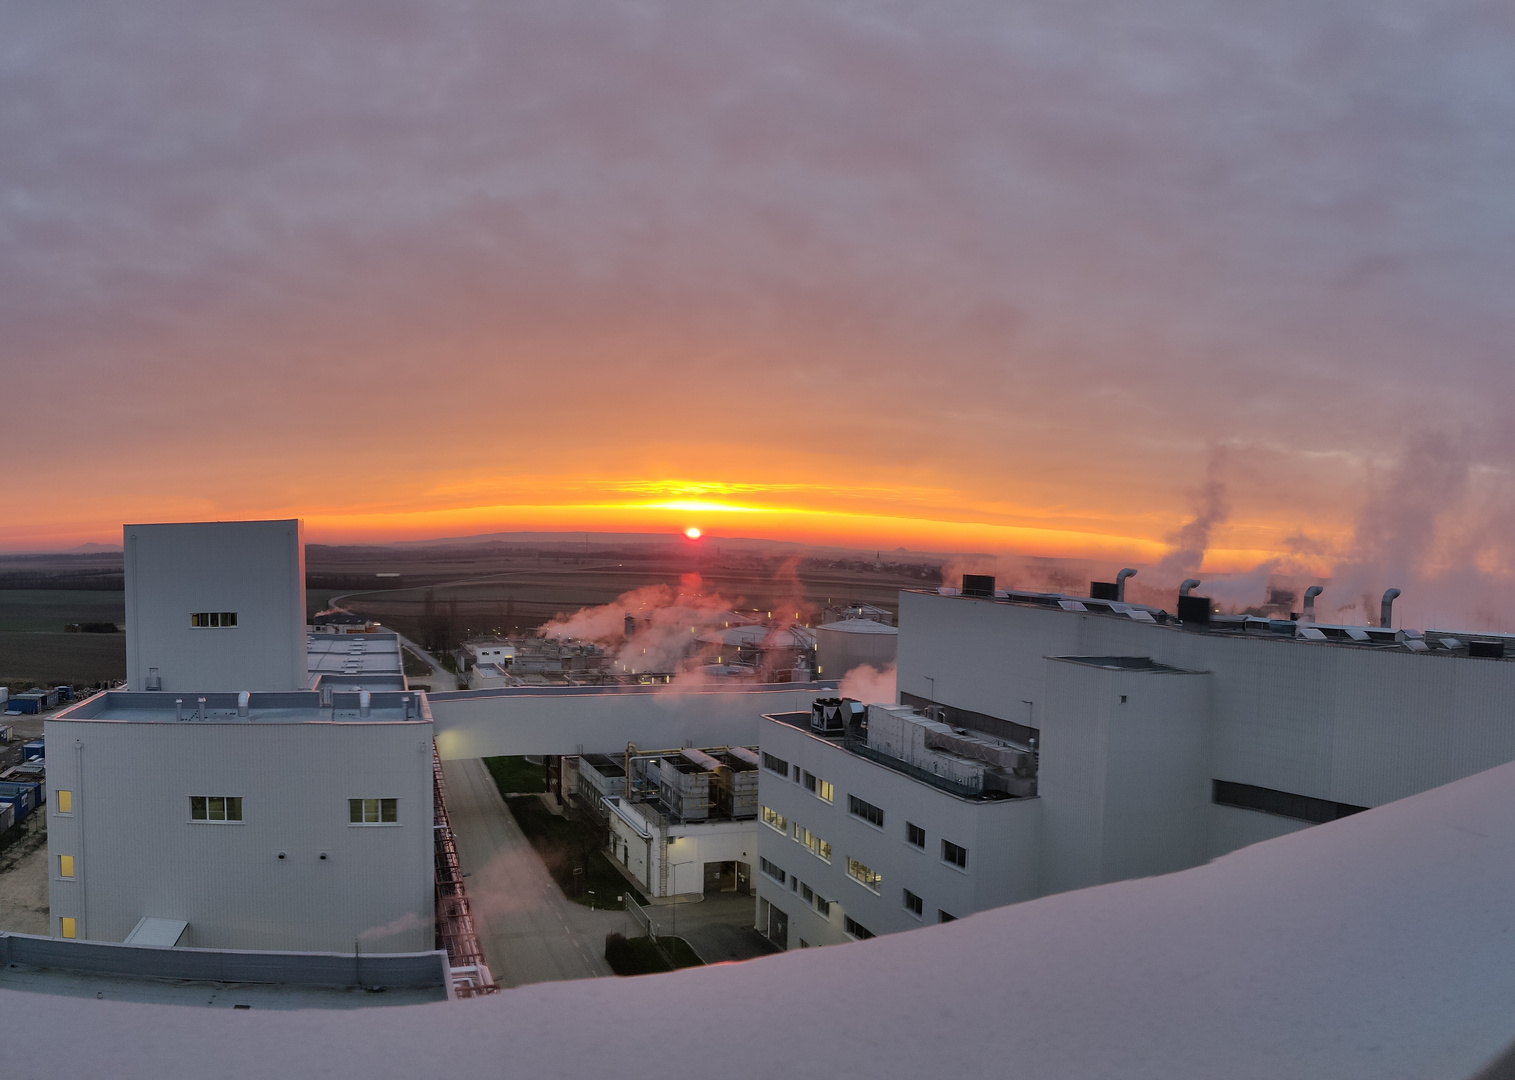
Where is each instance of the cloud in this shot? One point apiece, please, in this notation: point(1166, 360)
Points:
point(1040, 254)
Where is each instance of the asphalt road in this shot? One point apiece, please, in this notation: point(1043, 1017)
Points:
point(528, 930)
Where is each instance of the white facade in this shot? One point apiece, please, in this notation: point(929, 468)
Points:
point(636, 842)
point(215, 606)
point(808, 848)
point(295, 872)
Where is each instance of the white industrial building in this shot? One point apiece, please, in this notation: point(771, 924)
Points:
point(681, 821)
point(248, 821)
point(215, 606)
point(254, 788)
point(1048, 742)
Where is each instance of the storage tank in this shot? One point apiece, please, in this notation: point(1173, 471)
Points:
point(842, 646)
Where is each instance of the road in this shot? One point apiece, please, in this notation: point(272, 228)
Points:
point(528, 930)
point(441, 678)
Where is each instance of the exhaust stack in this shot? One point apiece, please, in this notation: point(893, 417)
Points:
point(1188, 585)
point(1120, 583)
point(1310, 594)
point(1386, 613)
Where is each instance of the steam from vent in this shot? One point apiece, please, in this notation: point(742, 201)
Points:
point(668, 623)
point(1193, 539)
point(869, 685)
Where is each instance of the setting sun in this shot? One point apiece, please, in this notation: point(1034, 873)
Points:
point(692, 533)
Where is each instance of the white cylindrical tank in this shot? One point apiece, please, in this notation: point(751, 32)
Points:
point(842, 646)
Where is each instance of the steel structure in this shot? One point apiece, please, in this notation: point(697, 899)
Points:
point(455, 930)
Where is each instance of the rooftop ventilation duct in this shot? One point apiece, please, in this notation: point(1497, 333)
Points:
point(1120, 583)
point(1189, 583)
point(244, 699)
point(1310, 594)
point(365, 703)
point(1386, 613)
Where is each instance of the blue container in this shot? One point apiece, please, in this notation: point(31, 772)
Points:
point(34, 750)
point(22, 801)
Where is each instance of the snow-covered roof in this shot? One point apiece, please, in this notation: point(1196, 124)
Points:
point(1378, 946)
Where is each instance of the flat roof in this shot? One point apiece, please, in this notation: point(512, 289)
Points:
point(291, 707)
point(353, 654)
point(1123, 663)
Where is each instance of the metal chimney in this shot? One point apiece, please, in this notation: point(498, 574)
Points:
point(365, 703)
point(1386, 614)
point(243, 700)
point(1189, 583)
point(1310, 594)
point(1120, 583)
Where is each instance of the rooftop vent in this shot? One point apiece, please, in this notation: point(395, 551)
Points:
point(1194, 609)
point(1104, 590)
point(1188, 585)
point(1310, 594)
point(830, 716)
point(1386, 613)
point(1488, 650)
point(1120, 583)
point(978, 585)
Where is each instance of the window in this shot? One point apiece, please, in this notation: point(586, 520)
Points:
point(856, 929)
point(70, 927)
point(65, 866)
point(822, 906)
point(807, 893)
point(65, 802)
point(818, 847)
point(866, 810)
point(775, 820)
point(915, 834)
point(215, 808)
point(809, 782)
point(863, 875)
point(373, 811)
point(825, 791)
point(942, 916)
point(772, 871)
point(957, 856)
point(914, 904)
point(776, 764)
point(213, 618)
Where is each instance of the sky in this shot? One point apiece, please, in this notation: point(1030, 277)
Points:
point(1187, 285)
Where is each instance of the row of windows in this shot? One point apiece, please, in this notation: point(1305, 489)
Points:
point(773, 871)
point(229, 808)
point(821, 789)
point(817, 847)
point(814, 899)
point(776, 764)
point(917, 907)
point(775, 820)
point(213, 618)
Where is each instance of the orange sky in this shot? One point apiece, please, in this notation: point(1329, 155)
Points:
point(956, 276)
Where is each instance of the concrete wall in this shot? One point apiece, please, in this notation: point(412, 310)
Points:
point(488, 723)
point(254, 568)
point(1001, 838)
point(138, 853)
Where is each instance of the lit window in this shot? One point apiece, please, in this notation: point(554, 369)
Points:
point(865, 810)
point(65, 802)
point(775, 820)
point(825, 791)
point(856, 929)
point(915, 834)
point(957, 856)
point(914, 904)
point(65, 866)
point(868, 878)
point(221, 619)
point(70, 927)
point(373, 811)
point(818, 847)
point(215, 808)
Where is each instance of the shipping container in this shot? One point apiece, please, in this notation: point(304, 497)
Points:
point(34, 750)
point(7, 816)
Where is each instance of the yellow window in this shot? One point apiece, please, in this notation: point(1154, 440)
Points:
point(70, 928)
point(65, 802)
point(65, 866)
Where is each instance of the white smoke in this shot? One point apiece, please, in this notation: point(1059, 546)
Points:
point(869, 685)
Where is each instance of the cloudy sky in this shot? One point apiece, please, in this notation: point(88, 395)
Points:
point(1054, 277)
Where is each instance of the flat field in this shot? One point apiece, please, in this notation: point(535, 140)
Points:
point(34, 648)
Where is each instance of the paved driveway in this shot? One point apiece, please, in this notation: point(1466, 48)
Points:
point(530, 932)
